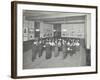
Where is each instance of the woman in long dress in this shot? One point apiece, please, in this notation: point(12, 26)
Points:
point(77, 43)
point(40, 48)
point(59, 45)
point(64, 50)
point(56, 49)
point(53, 46)
point(34, 50)
point(68, 45)
point(48, 51)
point(73, 47)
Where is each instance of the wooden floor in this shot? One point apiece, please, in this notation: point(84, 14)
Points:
point(76, 60)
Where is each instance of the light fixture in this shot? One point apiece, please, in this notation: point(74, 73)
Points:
point(37, 30)
point(64, 30)
point(54, 30)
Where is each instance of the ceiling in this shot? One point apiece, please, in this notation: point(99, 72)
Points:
point(52, 16)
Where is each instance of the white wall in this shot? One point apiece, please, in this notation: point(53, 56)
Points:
point(5, 41)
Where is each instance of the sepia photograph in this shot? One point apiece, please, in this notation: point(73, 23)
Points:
point(53, 39)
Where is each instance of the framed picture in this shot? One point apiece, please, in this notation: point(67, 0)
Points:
point(49, 39)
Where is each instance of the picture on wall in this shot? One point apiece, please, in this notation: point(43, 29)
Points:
point(53, 39)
